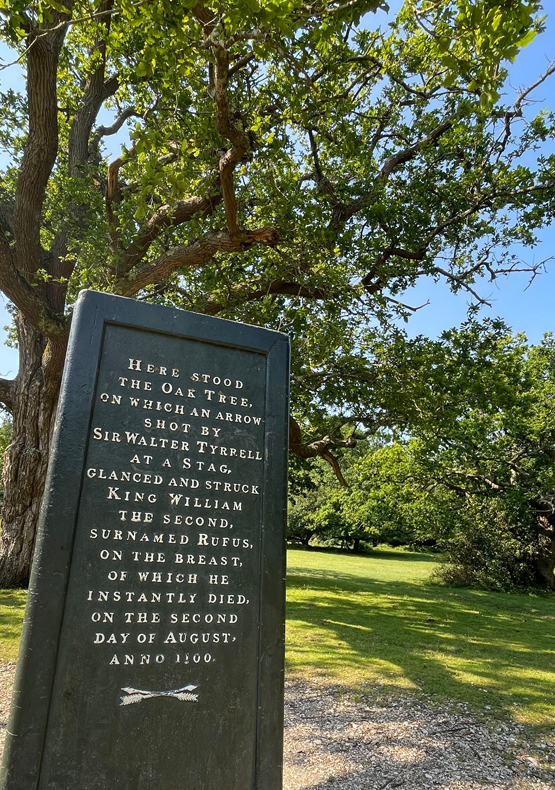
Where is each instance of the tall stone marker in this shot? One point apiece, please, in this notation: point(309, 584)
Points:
point(152, 655)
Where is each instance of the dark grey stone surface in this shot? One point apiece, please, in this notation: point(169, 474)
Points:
point(152, 656)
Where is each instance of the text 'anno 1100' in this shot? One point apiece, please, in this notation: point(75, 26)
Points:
point(176, 459)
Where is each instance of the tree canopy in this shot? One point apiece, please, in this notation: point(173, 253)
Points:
point(471, 470)
point(290, 164)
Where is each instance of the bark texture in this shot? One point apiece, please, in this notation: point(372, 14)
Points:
point(26, 459)
point(545, 562)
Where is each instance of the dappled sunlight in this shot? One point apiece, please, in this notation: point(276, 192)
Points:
point(321, 653)
point(347, 739)
point(401, 754)
point(405, 632)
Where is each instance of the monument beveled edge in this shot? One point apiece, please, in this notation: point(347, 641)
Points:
point(152, 651)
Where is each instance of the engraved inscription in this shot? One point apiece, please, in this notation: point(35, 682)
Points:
point(131, 695)
point(153, 653)
point(172, 564)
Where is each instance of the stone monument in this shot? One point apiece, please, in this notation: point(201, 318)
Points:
point(152, 654)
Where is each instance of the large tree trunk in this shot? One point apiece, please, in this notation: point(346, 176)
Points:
point(34, 405)
point(545, 568)
point(545, 561)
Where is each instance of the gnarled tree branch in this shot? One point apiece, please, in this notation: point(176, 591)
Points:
point(105, 131)
point(225, 124)
point(239, 141)
point(195, 254)
point(41, 148)
point(165, 217)
point(319, 448)
point(259, 289)
point(345, 212)
point(6, 394)
point(97, 90)
point(26, 298)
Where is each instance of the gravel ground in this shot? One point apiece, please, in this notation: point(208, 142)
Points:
point(334, 739)
point(7, 671)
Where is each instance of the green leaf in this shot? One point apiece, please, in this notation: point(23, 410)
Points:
point(527, 39)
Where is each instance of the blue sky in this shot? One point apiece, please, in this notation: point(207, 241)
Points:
point(528, 308)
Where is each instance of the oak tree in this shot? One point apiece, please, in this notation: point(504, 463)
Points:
point(471, 467)
point(486, 439)
point(295, 164)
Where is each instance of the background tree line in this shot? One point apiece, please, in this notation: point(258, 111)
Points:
point(469, 468)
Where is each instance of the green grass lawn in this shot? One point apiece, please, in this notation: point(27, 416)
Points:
point(12, 609)
point(376, 620)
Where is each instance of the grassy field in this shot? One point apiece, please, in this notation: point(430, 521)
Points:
point(378, 621)
point(12, 607)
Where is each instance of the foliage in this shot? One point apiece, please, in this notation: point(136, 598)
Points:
point(315, 514)
point(6, 430)
point(493, 549)
point(384, 505)
point(379, 505)
point(486, 437)
point(240, 192)
point(289, 164)
point(471, 466)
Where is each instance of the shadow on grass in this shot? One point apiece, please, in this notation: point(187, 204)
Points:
point(488, 649)
point(381, 553)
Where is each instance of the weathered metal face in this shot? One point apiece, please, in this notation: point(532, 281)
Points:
point(159, 581)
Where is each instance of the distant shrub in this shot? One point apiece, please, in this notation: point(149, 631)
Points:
point(497, 550)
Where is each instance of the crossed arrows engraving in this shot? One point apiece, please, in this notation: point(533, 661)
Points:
point(138, 695)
